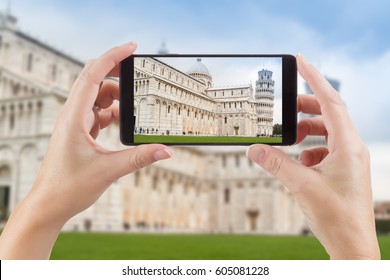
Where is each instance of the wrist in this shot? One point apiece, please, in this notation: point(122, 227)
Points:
point(354, 244)
point(30, 232)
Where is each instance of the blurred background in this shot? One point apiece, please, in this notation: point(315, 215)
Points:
point(217, 190)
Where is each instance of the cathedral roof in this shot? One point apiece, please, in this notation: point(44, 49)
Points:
point(198, 68)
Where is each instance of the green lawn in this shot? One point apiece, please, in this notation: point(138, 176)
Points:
point(203, 139)
point(170, 246)
point(161, 246)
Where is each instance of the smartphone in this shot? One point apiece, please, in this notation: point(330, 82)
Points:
point(203, 99)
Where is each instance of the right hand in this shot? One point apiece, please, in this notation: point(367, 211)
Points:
point(332, 185)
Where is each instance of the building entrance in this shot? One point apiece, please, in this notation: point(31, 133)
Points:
point(236, 130)
point(4, 202)
point(252, 215)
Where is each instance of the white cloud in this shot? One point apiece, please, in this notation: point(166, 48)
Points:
point(365, 88)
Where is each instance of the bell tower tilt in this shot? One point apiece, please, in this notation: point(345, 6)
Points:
point(264, 98)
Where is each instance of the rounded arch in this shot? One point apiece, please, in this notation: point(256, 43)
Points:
point(142, 113)
point(7, 154)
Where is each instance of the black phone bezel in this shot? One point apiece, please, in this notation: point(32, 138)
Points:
point(289, 97)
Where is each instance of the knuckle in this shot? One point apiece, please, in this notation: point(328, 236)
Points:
point(358, 151)
point(138, 161)
point(274, 165)
point(363, 151)
point(86, 72)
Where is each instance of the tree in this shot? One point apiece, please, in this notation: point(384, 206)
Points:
point(277, 130)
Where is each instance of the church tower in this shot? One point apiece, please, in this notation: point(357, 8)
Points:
point(264, 98)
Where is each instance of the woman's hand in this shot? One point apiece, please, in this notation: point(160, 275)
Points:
point(332, 185)
point(76, 170)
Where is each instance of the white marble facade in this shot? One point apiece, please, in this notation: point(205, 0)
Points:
point(203, 190)
point(170, 101)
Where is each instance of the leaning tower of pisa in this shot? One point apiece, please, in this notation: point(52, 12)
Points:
point(264, 97)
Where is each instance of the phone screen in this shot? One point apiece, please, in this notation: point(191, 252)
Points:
point(196, 99)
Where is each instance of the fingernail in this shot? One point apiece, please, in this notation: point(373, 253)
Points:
point(162, 154)
point(301, 57)
point(131, 44)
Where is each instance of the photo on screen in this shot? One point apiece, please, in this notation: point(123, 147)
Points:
point(205, 100)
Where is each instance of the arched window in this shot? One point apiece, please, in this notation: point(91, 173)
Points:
point(155, 180)
point(54, 72)
point(12, 121)
point(226, 195)
point(179, 111)
point(225, 119)
point(143, 63)
point(30, 59)
point(5, 171)
point(136, 179)
point(169, 109)
point(170, 186)
point(223, 161)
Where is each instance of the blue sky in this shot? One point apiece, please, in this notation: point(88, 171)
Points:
point(359, 27)
point(348, 40)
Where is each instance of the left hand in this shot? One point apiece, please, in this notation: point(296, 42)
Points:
point(76, 170)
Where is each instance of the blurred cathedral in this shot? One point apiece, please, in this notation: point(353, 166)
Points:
point(200, 190)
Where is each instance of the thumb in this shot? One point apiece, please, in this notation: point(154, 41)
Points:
point(130, 160)
point(285, 169)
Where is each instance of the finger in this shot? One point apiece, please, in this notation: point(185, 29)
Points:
point(108, 92)
point(311, 126)
point(85, 89)
point(314, 156)
point(337, 121)
point(290, 173)
point(308, 104)
point(94, 132)
point(107, 116)
point(130, 160)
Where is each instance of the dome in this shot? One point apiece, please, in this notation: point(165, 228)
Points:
point(198, 68)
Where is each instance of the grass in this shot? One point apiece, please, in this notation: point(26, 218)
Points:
point(178, 247)
point(123, 246)
point(179, 139)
